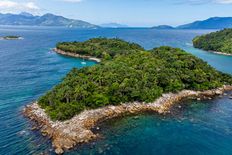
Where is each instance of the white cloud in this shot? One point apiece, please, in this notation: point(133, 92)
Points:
point(224, 1)
point(31, 5)
point(9, 6)
point(200, 2)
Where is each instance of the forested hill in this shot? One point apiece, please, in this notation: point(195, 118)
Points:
point(100, 47)
point(211, 23)
point(136, 76)
point(220, 41)
point(48, 19)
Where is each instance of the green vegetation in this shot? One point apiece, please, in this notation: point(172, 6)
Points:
point(11, 37)
point(137, 76)
point(220, 41)
point(100, 47)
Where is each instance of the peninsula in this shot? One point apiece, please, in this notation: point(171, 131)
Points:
point(217, 42)
point(128, 80)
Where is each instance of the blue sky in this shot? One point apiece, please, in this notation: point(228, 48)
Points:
point(130, 12)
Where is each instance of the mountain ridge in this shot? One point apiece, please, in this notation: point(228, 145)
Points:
point(210, 23)
point(27, 19)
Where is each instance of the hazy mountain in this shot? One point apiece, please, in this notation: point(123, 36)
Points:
point(113, 25)
point(211, 23)
point(25, 18)
point(163, 27)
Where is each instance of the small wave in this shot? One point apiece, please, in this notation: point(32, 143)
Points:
point(23, 133)
point(189, 44)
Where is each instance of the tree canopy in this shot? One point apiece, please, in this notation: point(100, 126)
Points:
point(136, 76)
point(220, 41)
point(100, 47)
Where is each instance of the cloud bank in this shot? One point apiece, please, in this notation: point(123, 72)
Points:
point(8, 6)
point(224, 1)
point(72, 1)
point(199, 2)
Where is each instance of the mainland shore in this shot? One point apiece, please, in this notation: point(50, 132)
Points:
point(76, 55)
point(68, 134)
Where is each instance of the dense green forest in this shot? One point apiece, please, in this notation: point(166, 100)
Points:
point(100, 47)
point(137, 76)
point(220, 41)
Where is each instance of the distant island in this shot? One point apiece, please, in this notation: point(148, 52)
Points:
point(128, 80)
point(218, 42)
point(27, 19)
point(211, 23)
point(11, 38)
point(113, 25)
point(163, 27)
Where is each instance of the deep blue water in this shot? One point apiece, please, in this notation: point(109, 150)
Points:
point(28, 69)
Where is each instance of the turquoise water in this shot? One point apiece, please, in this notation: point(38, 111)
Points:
point(28, 69)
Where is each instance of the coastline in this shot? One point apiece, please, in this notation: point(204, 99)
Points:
point(221, 53)
point(76, 55)
point(215, 52)
point(66, 135)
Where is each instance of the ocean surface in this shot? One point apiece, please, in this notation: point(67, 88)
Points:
point(28, 68)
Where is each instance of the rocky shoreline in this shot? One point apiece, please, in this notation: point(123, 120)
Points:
point(221, 53)
point(76, 55)
point(66, 135)
point(215, 52)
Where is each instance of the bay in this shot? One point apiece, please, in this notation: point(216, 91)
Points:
point(29, 68)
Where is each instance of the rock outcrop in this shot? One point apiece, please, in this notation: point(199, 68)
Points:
point(76, 55)
point(66, 135)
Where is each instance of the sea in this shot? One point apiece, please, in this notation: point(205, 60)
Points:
point(29, 68)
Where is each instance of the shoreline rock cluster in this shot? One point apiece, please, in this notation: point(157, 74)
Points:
point(221, 53)
point(76, 55)
point(216, 52)
point(66, 135)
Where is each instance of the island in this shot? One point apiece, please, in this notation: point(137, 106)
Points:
point(97, 48)
point(11, 38)
point(128, 80)
point(163, 27)
point(217, 42)
point(114, 25)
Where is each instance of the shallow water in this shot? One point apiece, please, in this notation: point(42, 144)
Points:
point(198, 127)
point(28, 68)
